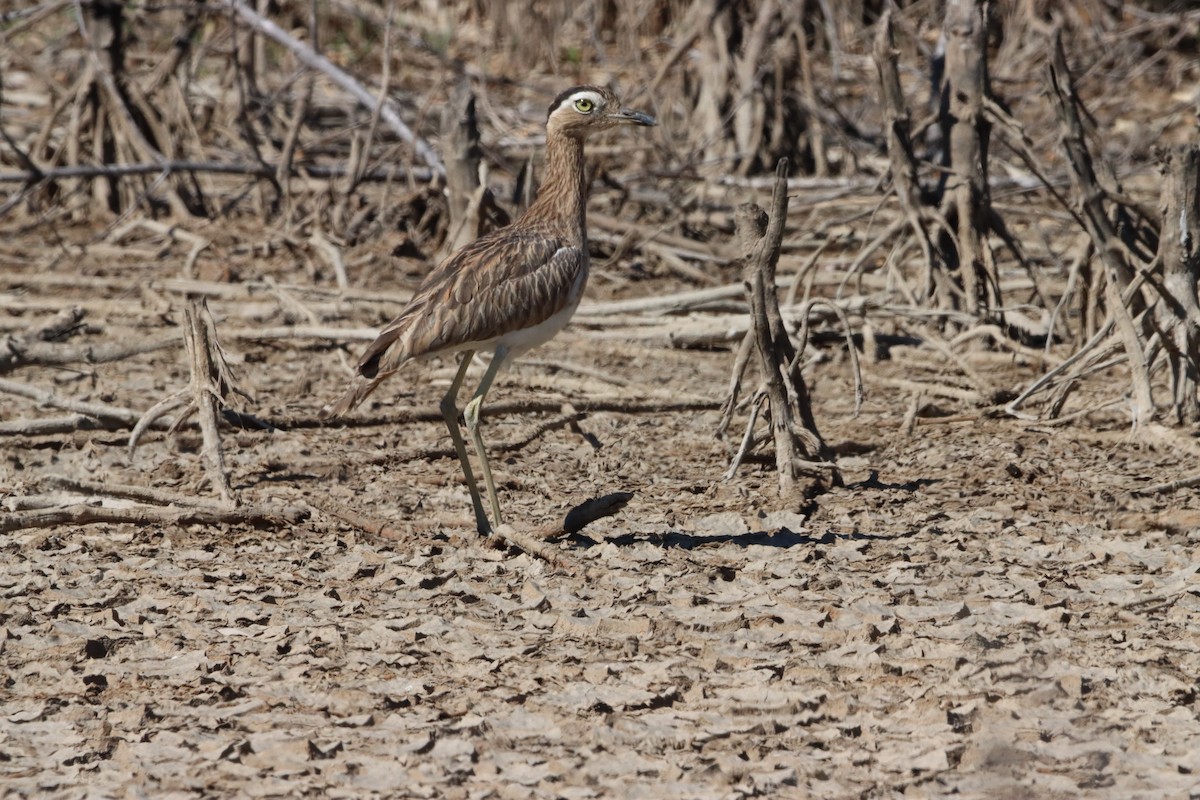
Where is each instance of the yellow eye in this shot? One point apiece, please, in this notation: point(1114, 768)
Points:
point(584, 105)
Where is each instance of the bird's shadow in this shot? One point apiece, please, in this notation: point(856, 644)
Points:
point(782, 538)
point(872, 482)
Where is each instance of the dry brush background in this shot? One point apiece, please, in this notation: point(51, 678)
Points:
point(987, 266)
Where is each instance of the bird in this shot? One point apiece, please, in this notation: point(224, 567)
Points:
point(506, 292)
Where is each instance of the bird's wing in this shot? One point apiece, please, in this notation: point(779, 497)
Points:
point(505, 281)
point(499, 283)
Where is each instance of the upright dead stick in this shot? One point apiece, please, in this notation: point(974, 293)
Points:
point(473, 207)
point(1118, 272)
point(797, 441)
point(898, 130)
point(967, 87)
point(206, 392)
point(1179, 251)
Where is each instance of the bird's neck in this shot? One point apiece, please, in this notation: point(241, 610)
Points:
point(562, 199)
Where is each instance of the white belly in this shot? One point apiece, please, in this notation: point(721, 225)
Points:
point(526, 339)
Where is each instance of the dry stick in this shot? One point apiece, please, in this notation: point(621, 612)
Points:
point(157, 411)
point(106, 22)
point(465, 154)
point(284, 170)
point(14, 349)
point(143, 493)
point(106, 414)
point(1180, 254)
point(506, 533)
point(692, 300)
point(756, 404)
point(898, 127)
point(696, 299)
point(148, 515)
point(680, 245)
point(171, 166)
point(740, 362)
point(816, 128)
point(385, 83)
point(1083, 354)
point(531, 546)
point(198, 243)
point(802, 337)
point(966, 82)
point(207, 390)
point(314, 60)
point(371, 525)
point(1170, 486)
point(1118, 273)
point(748, 116)
point(793, 425)
point(969, 396)
point(48, 426)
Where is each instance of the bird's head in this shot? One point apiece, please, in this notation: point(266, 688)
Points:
point(583, 110)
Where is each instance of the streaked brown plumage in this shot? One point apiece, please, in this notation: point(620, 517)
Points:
point(507, 291)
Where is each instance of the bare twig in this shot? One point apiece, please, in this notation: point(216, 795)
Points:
point(150, 515)
point(967, 91)
point(170, 167)
point(143, 493)
point(210, 383)
point(1179, 250)
point(797, 441)
point(1118, 272)
point(315, 60)
point(106, 414)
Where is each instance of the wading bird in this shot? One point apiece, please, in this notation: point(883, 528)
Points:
point(508, 291)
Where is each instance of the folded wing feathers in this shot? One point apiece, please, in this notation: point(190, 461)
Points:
point(506, 281)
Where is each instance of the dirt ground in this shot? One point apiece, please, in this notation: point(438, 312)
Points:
point(984, 610)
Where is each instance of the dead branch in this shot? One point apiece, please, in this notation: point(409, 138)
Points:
point(473, 208)
point(1119, 273)
point(1179, 252)
point(797, 441)
point(507, 535)
point(143, 493)
point(176, 166)
point(1169, 486)
point(48, 426)
point(106, 414)
point(15, 355)
point(969, 130)
point(952, 221)
point(898, 131)
point(314, 60)
point(14, 349)
point(211, 383)
point(150, 515)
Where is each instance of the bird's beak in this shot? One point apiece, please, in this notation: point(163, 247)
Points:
point(627, 117)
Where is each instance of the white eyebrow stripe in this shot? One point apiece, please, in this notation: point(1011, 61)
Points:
point(595, 97)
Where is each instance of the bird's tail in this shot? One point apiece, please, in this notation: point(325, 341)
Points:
point(377, 363)
point(358, 390)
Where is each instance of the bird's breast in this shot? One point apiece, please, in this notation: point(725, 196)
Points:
point(518, 341)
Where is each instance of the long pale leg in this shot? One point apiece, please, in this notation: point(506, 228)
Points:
point(450, 414)
point(471, 417)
